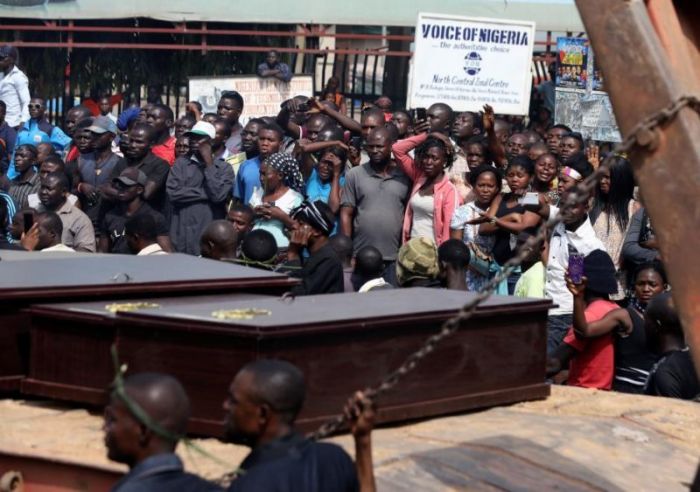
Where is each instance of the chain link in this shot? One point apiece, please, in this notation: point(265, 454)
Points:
point(641, 135)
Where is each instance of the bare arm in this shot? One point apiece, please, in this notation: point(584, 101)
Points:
point(346, 214)
point(165, 243)
point(490, 229)
point(360, 413)
point(344, 121)
point(334, 197)
point(103, 244)
point(496, 148)
point(515, 223)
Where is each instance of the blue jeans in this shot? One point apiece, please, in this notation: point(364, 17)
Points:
point(557, 326)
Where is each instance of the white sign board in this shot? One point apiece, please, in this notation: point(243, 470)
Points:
point(261, 96)
point(468, 62)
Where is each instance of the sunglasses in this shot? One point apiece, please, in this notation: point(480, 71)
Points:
point(35, 106)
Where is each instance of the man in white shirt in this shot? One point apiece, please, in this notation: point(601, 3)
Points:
point(574, 234)
point(14, 88)
point(141, 235)
point(45, 234)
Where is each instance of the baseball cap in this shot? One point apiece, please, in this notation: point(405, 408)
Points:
point(202, 128)
point(102, 124)
point(417, 259)
point(140, 179)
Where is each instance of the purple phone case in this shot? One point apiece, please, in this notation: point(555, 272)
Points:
point(576, 267)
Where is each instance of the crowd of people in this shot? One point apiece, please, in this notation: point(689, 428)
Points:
point(401, 198)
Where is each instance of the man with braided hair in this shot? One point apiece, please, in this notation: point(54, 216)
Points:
point(143, 423)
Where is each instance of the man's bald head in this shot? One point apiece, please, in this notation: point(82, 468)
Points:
point(279, 384)
point(219, 240)
point(131, 437)
point(163, 399)
point(440, 117)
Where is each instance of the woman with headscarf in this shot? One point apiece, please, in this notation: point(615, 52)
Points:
point(282, 185)
point(322, 271)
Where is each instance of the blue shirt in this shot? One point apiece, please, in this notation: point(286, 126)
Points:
point(162, 472)
point(285, 72)
point(35, 132)
point(318, 190)
point(247, 179)
point(57, 137)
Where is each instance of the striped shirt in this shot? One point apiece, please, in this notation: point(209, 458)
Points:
point(20, 190)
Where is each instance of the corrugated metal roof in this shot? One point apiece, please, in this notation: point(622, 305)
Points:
point(549, 15)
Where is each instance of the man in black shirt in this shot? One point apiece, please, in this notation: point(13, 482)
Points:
point(263, 402)
point(129, 186)
point(322, 272)
point(139, 155)
point(674, 375)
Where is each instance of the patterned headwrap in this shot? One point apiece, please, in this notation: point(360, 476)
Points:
point(309, 213)
point(287, 166)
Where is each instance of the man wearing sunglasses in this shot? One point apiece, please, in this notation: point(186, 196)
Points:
point(38, 123)
point(14, 88)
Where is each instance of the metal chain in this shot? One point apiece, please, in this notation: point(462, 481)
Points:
point(642, 135)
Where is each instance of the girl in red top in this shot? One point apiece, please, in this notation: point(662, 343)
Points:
point(590, 360)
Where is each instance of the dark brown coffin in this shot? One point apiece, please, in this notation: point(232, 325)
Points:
point(27, 278)
point(342, 342)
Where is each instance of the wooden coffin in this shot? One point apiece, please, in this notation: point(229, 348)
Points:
point(27, 278)
point(342, 342)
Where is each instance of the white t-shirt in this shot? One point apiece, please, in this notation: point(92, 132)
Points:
point(423, 211)
point(286, 203)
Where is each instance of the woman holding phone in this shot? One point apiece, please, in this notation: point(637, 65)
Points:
point(486, 184)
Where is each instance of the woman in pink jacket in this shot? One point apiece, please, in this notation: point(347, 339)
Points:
point(433, 197)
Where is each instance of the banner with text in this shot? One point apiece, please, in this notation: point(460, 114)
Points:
point(261, 97)
point(468, 62)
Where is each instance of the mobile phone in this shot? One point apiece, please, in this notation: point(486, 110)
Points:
point(270, 204)
point(419, 114)
point(356, 142)
point(530, 198)
point(28, 221)
point(576, 267)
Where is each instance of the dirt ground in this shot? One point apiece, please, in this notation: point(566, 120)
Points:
point(575, 440)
